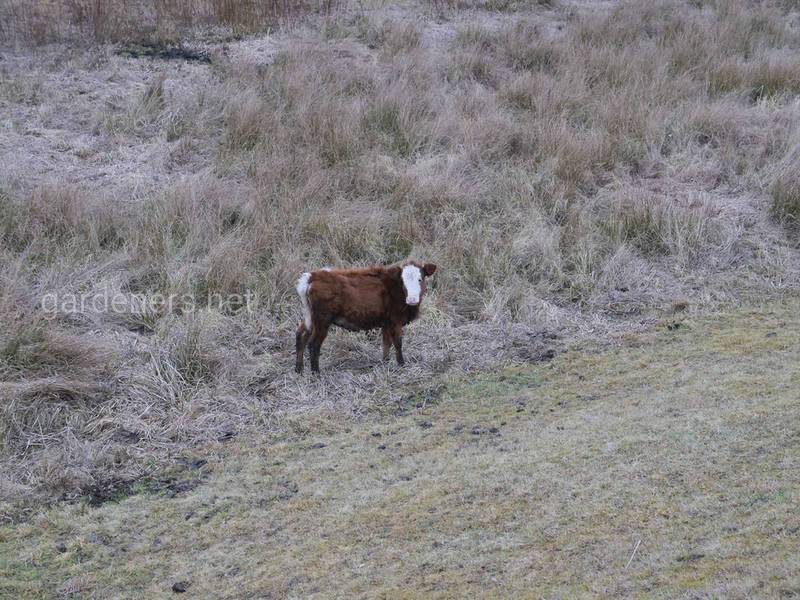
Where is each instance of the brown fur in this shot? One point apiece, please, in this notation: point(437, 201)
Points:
point(358, 300)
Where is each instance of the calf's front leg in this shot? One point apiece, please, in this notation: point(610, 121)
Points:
point(397, 334)
point(388, 340)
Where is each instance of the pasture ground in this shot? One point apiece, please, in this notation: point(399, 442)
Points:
point(658, 464)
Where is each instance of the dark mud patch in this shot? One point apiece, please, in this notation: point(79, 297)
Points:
point(163, 52)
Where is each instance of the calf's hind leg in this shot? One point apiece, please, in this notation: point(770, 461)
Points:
point(300, 343)
point(318, 334)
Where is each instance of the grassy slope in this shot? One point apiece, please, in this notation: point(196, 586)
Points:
point(570, 165)
point(686, 440)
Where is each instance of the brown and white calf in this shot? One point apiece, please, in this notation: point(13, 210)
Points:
point(388, 298)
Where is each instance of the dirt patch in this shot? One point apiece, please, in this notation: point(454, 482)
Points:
point(163, 52)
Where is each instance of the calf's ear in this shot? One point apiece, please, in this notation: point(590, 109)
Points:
point(395, 271)
point(429, 269)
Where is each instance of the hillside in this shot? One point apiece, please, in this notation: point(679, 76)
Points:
point(599, 396)
point(663, 465)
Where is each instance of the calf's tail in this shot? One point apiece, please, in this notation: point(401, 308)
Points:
point(303, 285)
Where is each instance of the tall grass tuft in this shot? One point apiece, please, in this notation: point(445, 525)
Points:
point(44, 21)
point(785, 196)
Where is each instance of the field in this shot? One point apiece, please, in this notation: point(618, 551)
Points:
point(599, 183)
point(664, 467)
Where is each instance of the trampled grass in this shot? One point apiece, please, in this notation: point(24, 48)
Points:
point(661, 464)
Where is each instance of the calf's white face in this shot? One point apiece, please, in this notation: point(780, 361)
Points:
point(412, 281)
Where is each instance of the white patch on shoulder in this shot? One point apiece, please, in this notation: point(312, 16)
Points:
point(326, 269)
point(303, 285)
point(412, 278)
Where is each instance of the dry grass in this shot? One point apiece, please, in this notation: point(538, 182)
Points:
point(785, 193)
point(683, 228)
point(47, 21)
point(572, 169)
point(664, 467)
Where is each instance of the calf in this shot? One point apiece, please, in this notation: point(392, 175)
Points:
point(359, 299)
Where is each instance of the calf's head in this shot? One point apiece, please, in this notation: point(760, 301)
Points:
point(414, 276)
